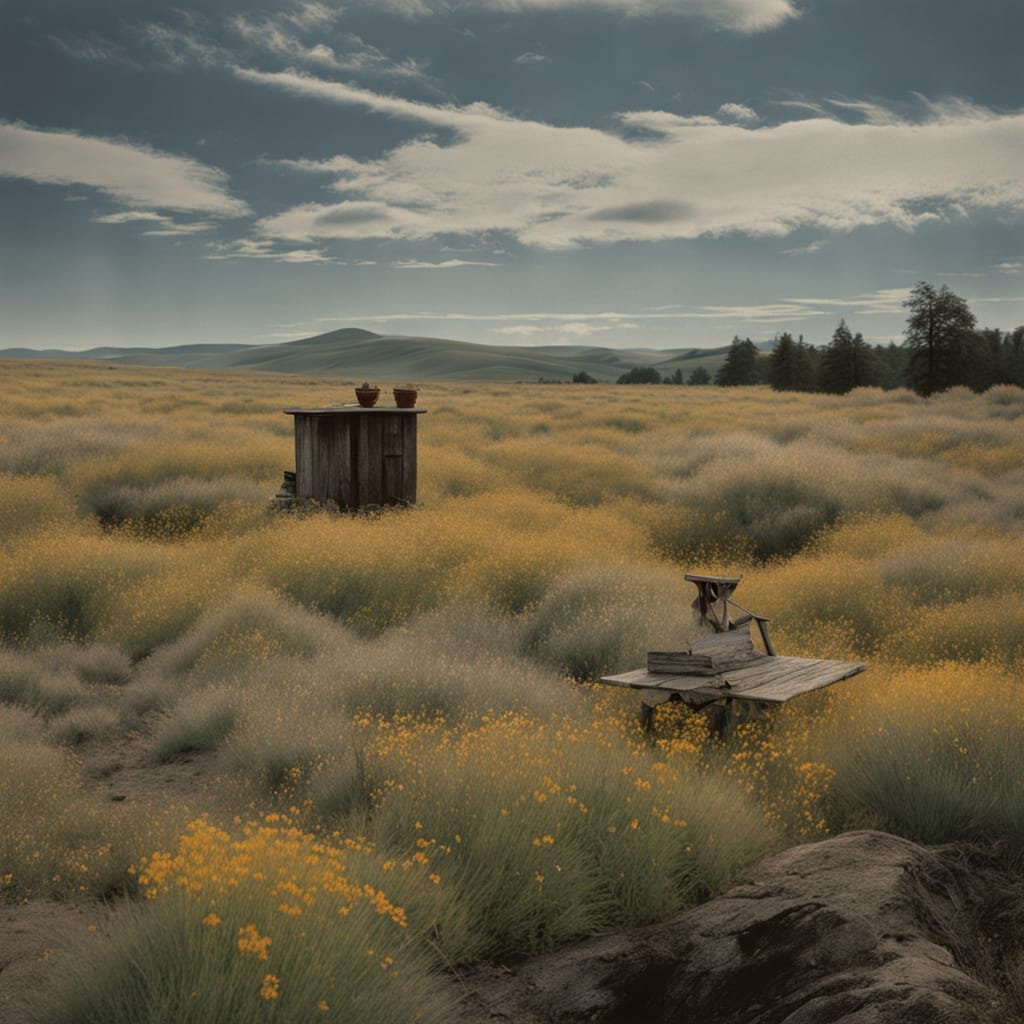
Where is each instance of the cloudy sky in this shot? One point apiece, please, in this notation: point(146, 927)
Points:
point(618, 172)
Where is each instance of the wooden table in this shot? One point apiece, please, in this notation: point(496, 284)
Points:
point(761, 680)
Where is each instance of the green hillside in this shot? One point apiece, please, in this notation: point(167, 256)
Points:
point(355, 353)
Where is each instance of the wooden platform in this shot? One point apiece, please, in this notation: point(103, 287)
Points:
point(767, 680)
point(724, 668)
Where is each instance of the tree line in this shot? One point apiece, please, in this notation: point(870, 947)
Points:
point(942, 348)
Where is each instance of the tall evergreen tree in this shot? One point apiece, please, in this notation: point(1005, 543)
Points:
point(847, 362)
point(792, 365)
point(1012, 360)
point(739, 368)
point(699, 376)
point(936, 335)
point(782, 364)
point(891, 362)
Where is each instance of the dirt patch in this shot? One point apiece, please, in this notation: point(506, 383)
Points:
point(33, 945)
point(123, 769)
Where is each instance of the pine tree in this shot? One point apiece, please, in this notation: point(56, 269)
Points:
point(847, 362)
point(936, 334)
point(792, 366)
point(739, 368)
point(699, 376)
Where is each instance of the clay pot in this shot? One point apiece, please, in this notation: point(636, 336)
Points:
point(367, 397)
point(405, 398)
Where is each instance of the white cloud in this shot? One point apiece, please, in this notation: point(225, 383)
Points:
point(340, 92)
point(261, 249)
point(804, 250)
point(1010, 267)
point(295, 35)
point(94, 48)
point(443, 265)
point(607, 320)
point(583, 328)
point(312, 14)
point(532, 58)
point(163, 226)
point(738, 112)
point(737, 15)
point(282, 37)
point(180, 47)
point(174, 230)
point(131, 217)
point(683, 177)
point(134, 175)
point(883, 302)
point(870, 113)
point(519, 330)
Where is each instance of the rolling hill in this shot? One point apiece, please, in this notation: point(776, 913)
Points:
point(354, 353)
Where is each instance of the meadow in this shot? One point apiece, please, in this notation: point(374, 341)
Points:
point(392, 760)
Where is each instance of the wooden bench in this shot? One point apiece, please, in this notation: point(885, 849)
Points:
point(724, 669)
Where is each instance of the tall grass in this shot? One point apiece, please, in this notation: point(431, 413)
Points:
point(419, 678)
point(549, 832)
point(56, 838)
point(935, 755)
point(272, 922)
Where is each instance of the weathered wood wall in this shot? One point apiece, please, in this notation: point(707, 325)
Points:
point(355, 456)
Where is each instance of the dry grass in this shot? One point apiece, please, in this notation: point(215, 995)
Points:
point(428, 668)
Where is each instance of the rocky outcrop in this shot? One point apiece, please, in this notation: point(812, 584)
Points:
point(866, 928)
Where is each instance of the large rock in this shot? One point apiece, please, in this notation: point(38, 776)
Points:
point(861, 929)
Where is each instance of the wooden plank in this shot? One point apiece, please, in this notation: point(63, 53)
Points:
point(641, 679)
point(773, 680)
point(391, 435)
point(345, 469)
point(794, 680)
point(369, 466)
point(409, 459)
point(707, 656)
point(335, 433)
point(764, 671)
point(319, 433)
point(391, 480)
point(830, 672)
point(303, 457)
point(391, 454)
point(355, 410)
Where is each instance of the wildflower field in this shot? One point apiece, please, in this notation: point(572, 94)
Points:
point(315, 764)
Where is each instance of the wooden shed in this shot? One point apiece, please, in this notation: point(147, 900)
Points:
point(354, 456)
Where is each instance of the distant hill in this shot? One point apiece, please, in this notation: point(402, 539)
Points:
point(354, 353)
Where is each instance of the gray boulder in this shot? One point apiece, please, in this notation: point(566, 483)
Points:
point(866, 928)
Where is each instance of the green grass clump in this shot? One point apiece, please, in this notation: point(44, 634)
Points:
point(170, 508)
point(200, 721)
point(936, 757)
point(269, 923)
point(87, 722)
point(56, 840)
point(602, 619)
point(31, 680)
point(550, 831)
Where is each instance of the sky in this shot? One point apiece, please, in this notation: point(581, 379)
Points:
point(629, 173)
